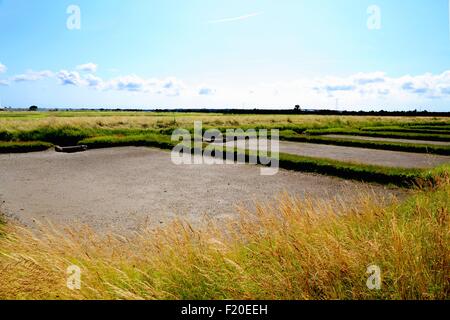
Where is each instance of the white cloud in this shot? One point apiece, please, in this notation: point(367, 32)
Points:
point(71, 78)
point(88, 67)
point(369, 78)
point(171, 87)
point(128, 83)
point(33, 76)
point(94, 81)
point(244, 17)
point(4, 83)
point(427, 86)
point(3, 68)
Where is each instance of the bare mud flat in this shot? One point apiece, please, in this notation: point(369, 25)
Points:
point(119, 189)
point(358, 155)
point(414, 141)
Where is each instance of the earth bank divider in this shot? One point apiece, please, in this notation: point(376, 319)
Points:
point(23, 147)
point(377, 145)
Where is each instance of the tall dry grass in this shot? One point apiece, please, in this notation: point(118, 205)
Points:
point(115, 120)
point(297, 249)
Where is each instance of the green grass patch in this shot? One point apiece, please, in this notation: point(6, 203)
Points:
point(64, 136)
point(378, 145)
point(23, 147)
point(368, 173)
point(395, 135)
point(408, 130)
point(428, 124)
point(436, 128)
point(149, 140)
point(68, 135)
point(402, 177)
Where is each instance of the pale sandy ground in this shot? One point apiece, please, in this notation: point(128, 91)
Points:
point(437, 143)
point(121, 188)
point(359, 155)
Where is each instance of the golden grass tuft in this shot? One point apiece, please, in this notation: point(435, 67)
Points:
point(296, 249)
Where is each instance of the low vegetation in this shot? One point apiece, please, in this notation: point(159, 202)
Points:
point(381, 134)
point(23, 147)
point(380, 145)
point(149, 140)
point(292, 249)
point(426, 130)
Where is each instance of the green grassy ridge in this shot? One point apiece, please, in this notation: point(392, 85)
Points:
point(289, 135)
point(67, 135)
point(223, 130)
point(314, 130)
point(428, 123)
point(23, 147)
point(157, 141)
point(406, 130)
point(353, 171)
point(71, 135)
point(395, 135)
point(378, 145)
point(313, 127)
point(58, 135)
point(436, 128)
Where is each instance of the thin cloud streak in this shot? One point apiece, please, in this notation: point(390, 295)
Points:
point(244, 17)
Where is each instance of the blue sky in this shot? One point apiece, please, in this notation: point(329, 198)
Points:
point(210, 53)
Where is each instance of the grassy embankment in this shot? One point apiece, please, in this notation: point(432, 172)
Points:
point(405, 129)
point(305, 134)
point(21, 147)
point(379, 145)
point(289, 250)
point(381, 134)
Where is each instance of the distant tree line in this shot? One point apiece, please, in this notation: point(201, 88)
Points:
point(297, 110)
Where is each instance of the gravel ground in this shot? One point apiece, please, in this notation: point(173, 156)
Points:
point(119, 189)
point(361, 155)
point(437, 143)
